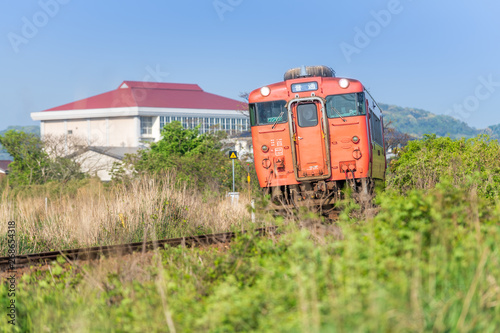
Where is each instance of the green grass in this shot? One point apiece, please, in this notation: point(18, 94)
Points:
point(428, 262)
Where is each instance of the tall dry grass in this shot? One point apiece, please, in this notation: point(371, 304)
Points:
point(97, 214)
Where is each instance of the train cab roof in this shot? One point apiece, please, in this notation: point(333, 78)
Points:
point(304, 87)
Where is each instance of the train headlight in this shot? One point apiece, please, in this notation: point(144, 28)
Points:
point(343, 83)
point(355, 139)
point(265, 148)
point(265, 91)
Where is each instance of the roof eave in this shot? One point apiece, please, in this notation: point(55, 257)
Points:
point(132, 112)
point(86, 113)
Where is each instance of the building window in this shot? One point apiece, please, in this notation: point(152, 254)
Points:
point(207, 125)
point(146, 125)
point(163, 122)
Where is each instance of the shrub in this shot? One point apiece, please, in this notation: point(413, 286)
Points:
point(32, 164)
point(424, 163)
point(198, 160)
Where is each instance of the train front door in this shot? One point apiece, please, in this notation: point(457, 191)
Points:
point(310, 136)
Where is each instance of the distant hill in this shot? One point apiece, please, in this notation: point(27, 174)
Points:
point(28, 129)
point(417, 122)
point(493, 131)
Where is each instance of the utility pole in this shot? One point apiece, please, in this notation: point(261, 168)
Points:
point(233, 174)
point(233, 154)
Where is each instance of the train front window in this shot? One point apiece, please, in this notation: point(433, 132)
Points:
point(307, 115)
point(345, 105)
point(268, 113)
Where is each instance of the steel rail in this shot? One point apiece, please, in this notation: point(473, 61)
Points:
point(98, 251)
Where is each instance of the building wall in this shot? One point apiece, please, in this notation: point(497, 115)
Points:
point(109, 132)
point(97, 134)
point(77, 127)
point(96, 164)
point(54, 127)
point(127, 131)
point(122, 132)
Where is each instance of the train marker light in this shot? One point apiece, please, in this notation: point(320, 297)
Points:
point(265, 148)
point(265, 91)
point(266, 163)
point(343, 83)
point(356, 154)
point(355, 139)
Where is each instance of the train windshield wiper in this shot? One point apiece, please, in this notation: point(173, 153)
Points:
point(334, 109)
point(277, 119)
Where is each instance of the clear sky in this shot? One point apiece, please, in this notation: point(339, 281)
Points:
point(441, 56)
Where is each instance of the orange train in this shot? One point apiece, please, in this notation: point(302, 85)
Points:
point(313, 134)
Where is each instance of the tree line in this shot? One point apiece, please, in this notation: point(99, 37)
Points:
point(196, 159)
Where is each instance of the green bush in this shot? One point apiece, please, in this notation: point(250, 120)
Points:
point(424, 163)
point(197, 160)
point(32, 165)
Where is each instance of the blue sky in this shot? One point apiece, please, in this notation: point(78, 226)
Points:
point(441, 56)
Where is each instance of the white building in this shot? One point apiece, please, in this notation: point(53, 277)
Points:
point(4, 164)
point(133, 114)
point(99, 161)
point(136, 111)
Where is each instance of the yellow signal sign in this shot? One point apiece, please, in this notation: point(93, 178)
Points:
point(233, 154)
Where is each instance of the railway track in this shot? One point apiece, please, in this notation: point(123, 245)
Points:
point(98, 251)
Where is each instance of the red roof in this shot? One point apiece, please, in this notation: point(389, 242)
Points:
point(4, 164)
point(158, 95)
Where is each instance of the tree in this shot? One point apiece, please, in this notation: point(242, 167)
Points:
point(37, 161)
point(65, 154)
point(243, 109)
point(196, 159)
point(30, 161)
point(393, 138)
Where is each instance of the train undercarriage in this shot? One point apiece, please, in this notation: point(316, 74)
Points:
point(320, 196)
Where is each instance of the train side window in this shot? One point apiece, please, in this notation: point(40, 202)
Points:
point(251, 108)
point(372, 125)
point(307, 115)
point(376, 128)
point(379, 132)
point(361, 103)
